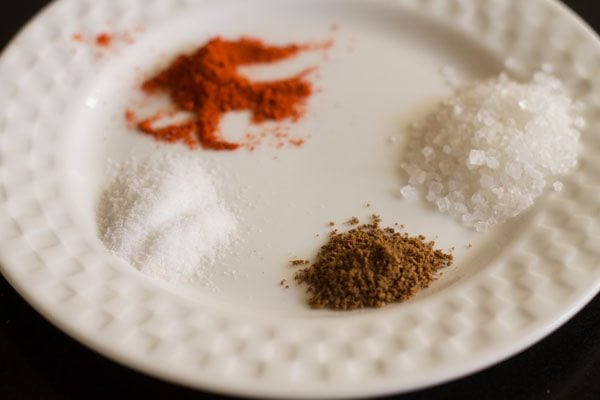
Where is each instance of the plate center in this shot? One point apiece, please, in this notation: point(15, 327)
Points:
point(382, 72)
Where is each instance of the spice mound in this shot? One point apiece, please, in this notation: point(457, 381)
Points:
point(163, 215)
point(486, 153)
point(370, 266)
point(207, 84)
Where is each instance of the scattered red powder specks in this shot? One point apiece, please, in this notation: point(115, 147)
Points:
point(104, 39)
point(130, 115)
point(131, 118)
point(128, 38)
point(297, 142)
point(276, 137)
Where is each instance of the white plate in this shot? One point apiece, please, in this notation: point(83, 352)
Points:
point(62, 119)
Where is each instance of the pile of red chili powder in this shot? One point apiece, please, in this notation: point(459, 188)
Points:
point(207, 84)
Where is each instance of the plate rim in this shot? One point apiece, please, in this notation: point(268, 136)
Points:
point(96, 344)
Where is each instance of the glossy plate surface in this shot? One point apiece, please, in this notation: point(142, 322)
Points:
point(238, 331)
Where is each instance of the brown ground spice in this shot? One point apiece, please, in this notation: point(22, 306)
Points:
point(368, 266)
point(299, 262)
point(353, 221)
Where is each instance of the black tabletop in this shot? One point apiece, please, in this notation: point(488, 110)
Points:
point(37, 361)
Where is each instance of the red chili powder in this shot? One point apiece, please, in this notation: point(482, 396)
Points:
point(131, 118)
point(207, 84)
point(297, 142)
point(104, 40)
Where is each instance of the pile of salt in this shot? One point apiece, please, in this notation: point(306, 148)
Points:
point(163, 215)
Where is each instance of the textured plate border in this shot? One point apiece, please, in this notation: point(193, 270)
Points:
point(551, 273)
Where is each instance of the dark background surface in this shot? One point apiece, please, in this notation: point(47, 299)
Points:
point(37, 361)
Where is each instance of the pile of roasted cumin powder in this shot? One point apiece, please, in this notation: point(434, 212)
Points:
point(370, 266)
point(207, 84)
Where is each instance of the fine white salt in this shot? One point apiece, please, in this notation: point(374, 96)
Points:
point(163, 215)
point(486, 153)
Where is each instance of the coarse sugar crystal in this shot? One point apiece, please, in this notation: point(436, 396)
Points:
point(558, 186)
point(477, 157)
point(498, 152)
point(408, 191)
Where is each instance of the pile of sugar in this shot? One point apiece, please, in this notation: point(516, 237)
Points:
point(163, 215)
point(486, 153)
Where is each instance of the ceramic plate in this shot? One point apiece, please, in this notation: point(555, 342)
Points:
point(238, 330)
